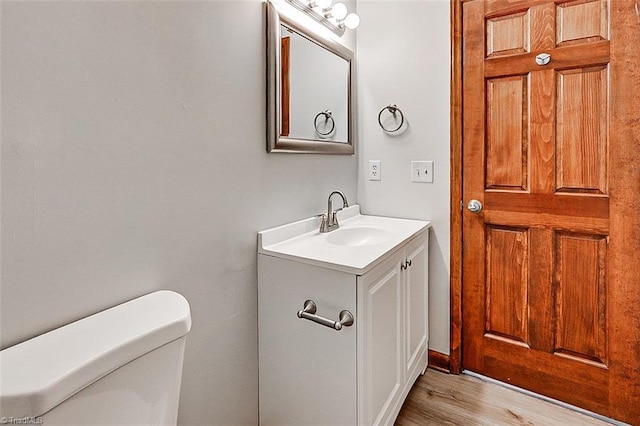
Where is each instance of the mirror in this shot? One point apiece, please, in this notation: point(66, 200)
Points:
point(309, 86)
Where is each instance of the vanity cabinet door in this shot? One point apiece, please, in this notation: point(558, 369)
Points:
point(380, 342)
point(307, 372)
point(416, 312)
point(392, 331)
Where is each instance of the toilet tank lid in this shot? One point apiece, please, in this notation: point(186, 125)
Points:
point(42, 372)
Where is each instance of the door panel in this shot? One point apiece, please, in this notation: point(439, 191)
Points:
point(538, 293)
point(582, 128)
point(580, 267)
point(508, 34)
point(507, 284)
point(582, 22)
point(506, 165)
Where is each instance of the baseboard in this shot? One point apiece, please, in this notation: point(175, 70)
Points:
point(439, 361)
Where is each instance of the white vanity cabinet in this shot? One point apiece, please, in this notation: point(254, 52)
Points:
point(307, 371)
point(392, 332)
point(311, 374)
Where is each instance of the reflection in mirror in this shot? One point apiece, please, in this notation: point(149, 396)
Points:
point(314, 90)
point(309, 80)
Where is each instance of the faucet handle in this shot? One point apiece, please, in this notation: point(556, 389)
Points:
point(324, 225)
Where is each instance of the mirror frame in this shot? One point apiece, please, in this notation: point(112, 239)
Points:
point(275, 142)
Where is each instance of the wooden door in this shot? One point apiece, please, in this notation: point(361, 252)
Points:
point(551, 281)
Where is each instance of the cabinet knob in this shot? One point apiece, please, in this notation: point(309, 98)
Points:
point(404, 265)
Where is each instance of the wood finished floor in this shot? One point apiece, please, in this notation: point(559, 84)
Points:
point(445, 399)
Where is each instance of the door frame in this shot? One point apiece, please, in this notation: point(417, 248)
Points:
point(456, 203)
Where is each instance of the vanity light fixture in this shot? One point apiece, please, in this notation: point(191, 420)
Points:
point(336, 18)
point(352, 21)
point(322, 4)
point(343, 19)
point(338, 11)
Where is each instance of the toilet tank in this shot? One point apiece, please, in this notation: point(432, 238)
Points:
point(120, 366)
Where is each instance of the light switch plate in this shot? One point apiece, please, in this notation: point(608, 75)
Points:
point(375, 170)
point(422, 171)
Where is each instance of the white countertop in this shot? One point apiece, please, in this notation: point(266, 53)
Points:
point(301, 241)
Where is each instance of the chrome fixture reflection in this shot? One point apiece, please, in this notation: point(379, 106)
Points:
point(335, 18)
point(327, 128)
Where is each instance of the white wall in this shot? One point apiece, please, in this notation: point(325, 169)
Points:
point(403, 56)
point(133, 159)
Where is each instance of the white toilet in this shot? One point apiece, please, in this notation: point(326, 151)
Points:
point(121, 366)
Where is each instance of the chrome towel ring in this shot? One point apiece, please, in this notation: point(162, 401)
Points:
point(327, 117)
point(393, 109)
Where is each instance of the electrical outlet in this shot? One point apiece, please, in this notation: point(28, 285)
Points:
point(422, 171)
point(374, 170)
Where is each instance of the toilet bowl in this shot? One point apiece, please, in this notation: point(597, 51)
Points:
point(121, 366)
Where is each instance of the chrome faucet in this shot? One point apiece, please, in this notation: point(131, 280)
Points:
point(330, 220)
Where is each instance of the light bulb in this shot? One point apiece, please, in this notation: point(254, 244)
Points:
point(324, 4)
point(339, 11)
point(352, 21)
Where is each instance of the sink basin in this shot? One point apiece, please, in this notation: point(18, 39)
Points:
point(358, 236)
point(355, 247)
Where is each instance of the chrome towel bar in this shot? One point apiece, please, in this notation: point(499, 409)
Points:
point(309, 313)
